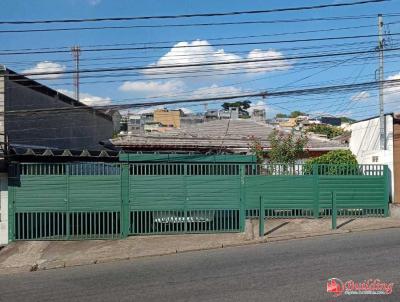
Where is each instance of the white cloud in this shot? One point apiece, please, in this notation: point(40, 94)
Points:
point(363, 95)
point(214, 91)
point(153, 88)
point(202, 52)
point(45, 66)
point(392, 90)
point(277, 61)
point(88, 99)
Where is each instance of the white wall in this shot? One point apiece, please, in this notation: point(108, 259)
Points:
point(3, 208)
point(364, 143)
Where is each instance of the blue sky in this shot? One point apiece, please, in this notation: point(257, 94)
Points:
point(286, 74)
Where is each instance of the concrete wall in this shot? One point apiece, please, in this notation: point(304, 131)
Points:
point(364, 143)
point(1, 109)
point(168, 118)
point(78, 129)
point(396, 159)
point(3, 208)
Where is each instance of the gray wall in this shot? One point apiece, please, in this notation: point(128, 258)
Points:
point(78, 129)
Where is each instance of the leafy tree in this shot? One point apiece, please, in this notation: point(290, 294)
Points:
point(296, 113)
point(281, 115)
point(286, 148)
point(345, 119)
point(342, 162)
point(257, 149)
point(243, 105)
point(328, 130)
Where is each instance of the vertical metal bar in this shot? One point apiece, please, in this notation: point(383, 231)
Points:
point(242, 198)
point(112, 224)
point(316, 191)
point(334, 211)
point(261, 217)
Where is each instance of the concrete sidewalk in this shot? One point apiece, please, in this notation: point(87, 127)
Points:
point(38, 255)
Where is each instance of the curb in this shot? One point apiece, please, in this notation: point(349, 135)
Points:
point(56, 264)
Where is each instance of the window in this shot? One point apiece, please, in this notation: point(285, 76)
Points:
point(375, 159)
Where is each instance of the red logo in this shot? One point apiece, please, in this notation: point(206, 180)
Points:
point(335, 286)
point(365, 287)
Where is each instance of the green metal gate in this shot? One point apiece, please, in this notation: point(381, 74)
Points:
point(162, 194)
point(65, 201)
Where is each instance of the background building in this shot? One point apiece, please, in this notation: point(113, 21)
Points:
point(35, 115)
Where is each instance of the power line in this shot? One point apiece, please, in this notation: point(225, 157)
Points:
point(220, 63)
point(195, 46)
point(187, 73)
point(307, 91)
point(213, 14)
point(163, 26)
point(208, 39)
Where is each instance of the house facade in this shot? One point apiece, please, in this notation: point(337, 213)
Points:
point(365, 144)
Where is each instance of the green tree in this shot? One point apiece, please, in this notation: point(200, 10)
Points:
point(286, 148)
point(281, 115)
point(328, 130)
point(339, 162)
point(296, 113)
point(243, 106)
point(345, 119)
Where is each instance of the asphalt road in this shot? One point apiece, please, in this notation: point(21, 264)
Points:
point(283, 271)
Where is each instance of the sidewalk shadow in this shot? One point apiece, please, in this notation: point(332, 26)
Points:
point(276, 228)
point(344, 223)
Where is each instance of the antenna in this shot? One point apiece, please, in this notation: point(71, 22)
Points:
point(76, 50)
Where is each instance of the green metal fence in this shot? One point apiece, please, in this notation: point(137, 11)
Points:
point(305, 191)
point(66, 201)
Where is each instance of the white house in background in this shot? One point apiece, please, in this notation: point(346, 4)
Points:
point(365, 144)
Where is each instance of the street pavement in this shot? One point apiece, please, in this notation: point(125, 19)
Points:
point(295, 270)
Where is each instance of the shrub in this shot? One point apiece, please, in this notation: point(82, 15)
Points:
point(342, 162)
point(329, 131)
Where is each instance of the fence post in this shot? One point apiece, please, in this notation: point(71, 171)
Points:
point(386, 196)
point(334, 211)
point(316, 190)
point(67, 201)
point(11, 210)
point(242, 199)
point(185, 193)
point(125, 224)
point(261, 218)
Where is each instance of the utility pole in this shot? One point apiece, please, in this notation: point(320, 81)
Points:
point(382, 122)
point(76, 51)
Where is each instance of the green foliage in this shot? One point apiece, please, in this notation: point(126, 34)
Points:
point(335, 157)
point(257, 149)
point(342, 161)
point(280, 115)
point(328, 130)
point(241, 104)
point(345, 119)
point(286, 149)
point(115, 134)
point(296, 113)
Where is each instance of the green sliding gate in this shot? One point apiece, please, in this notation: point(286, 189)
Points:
point(160, 194)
